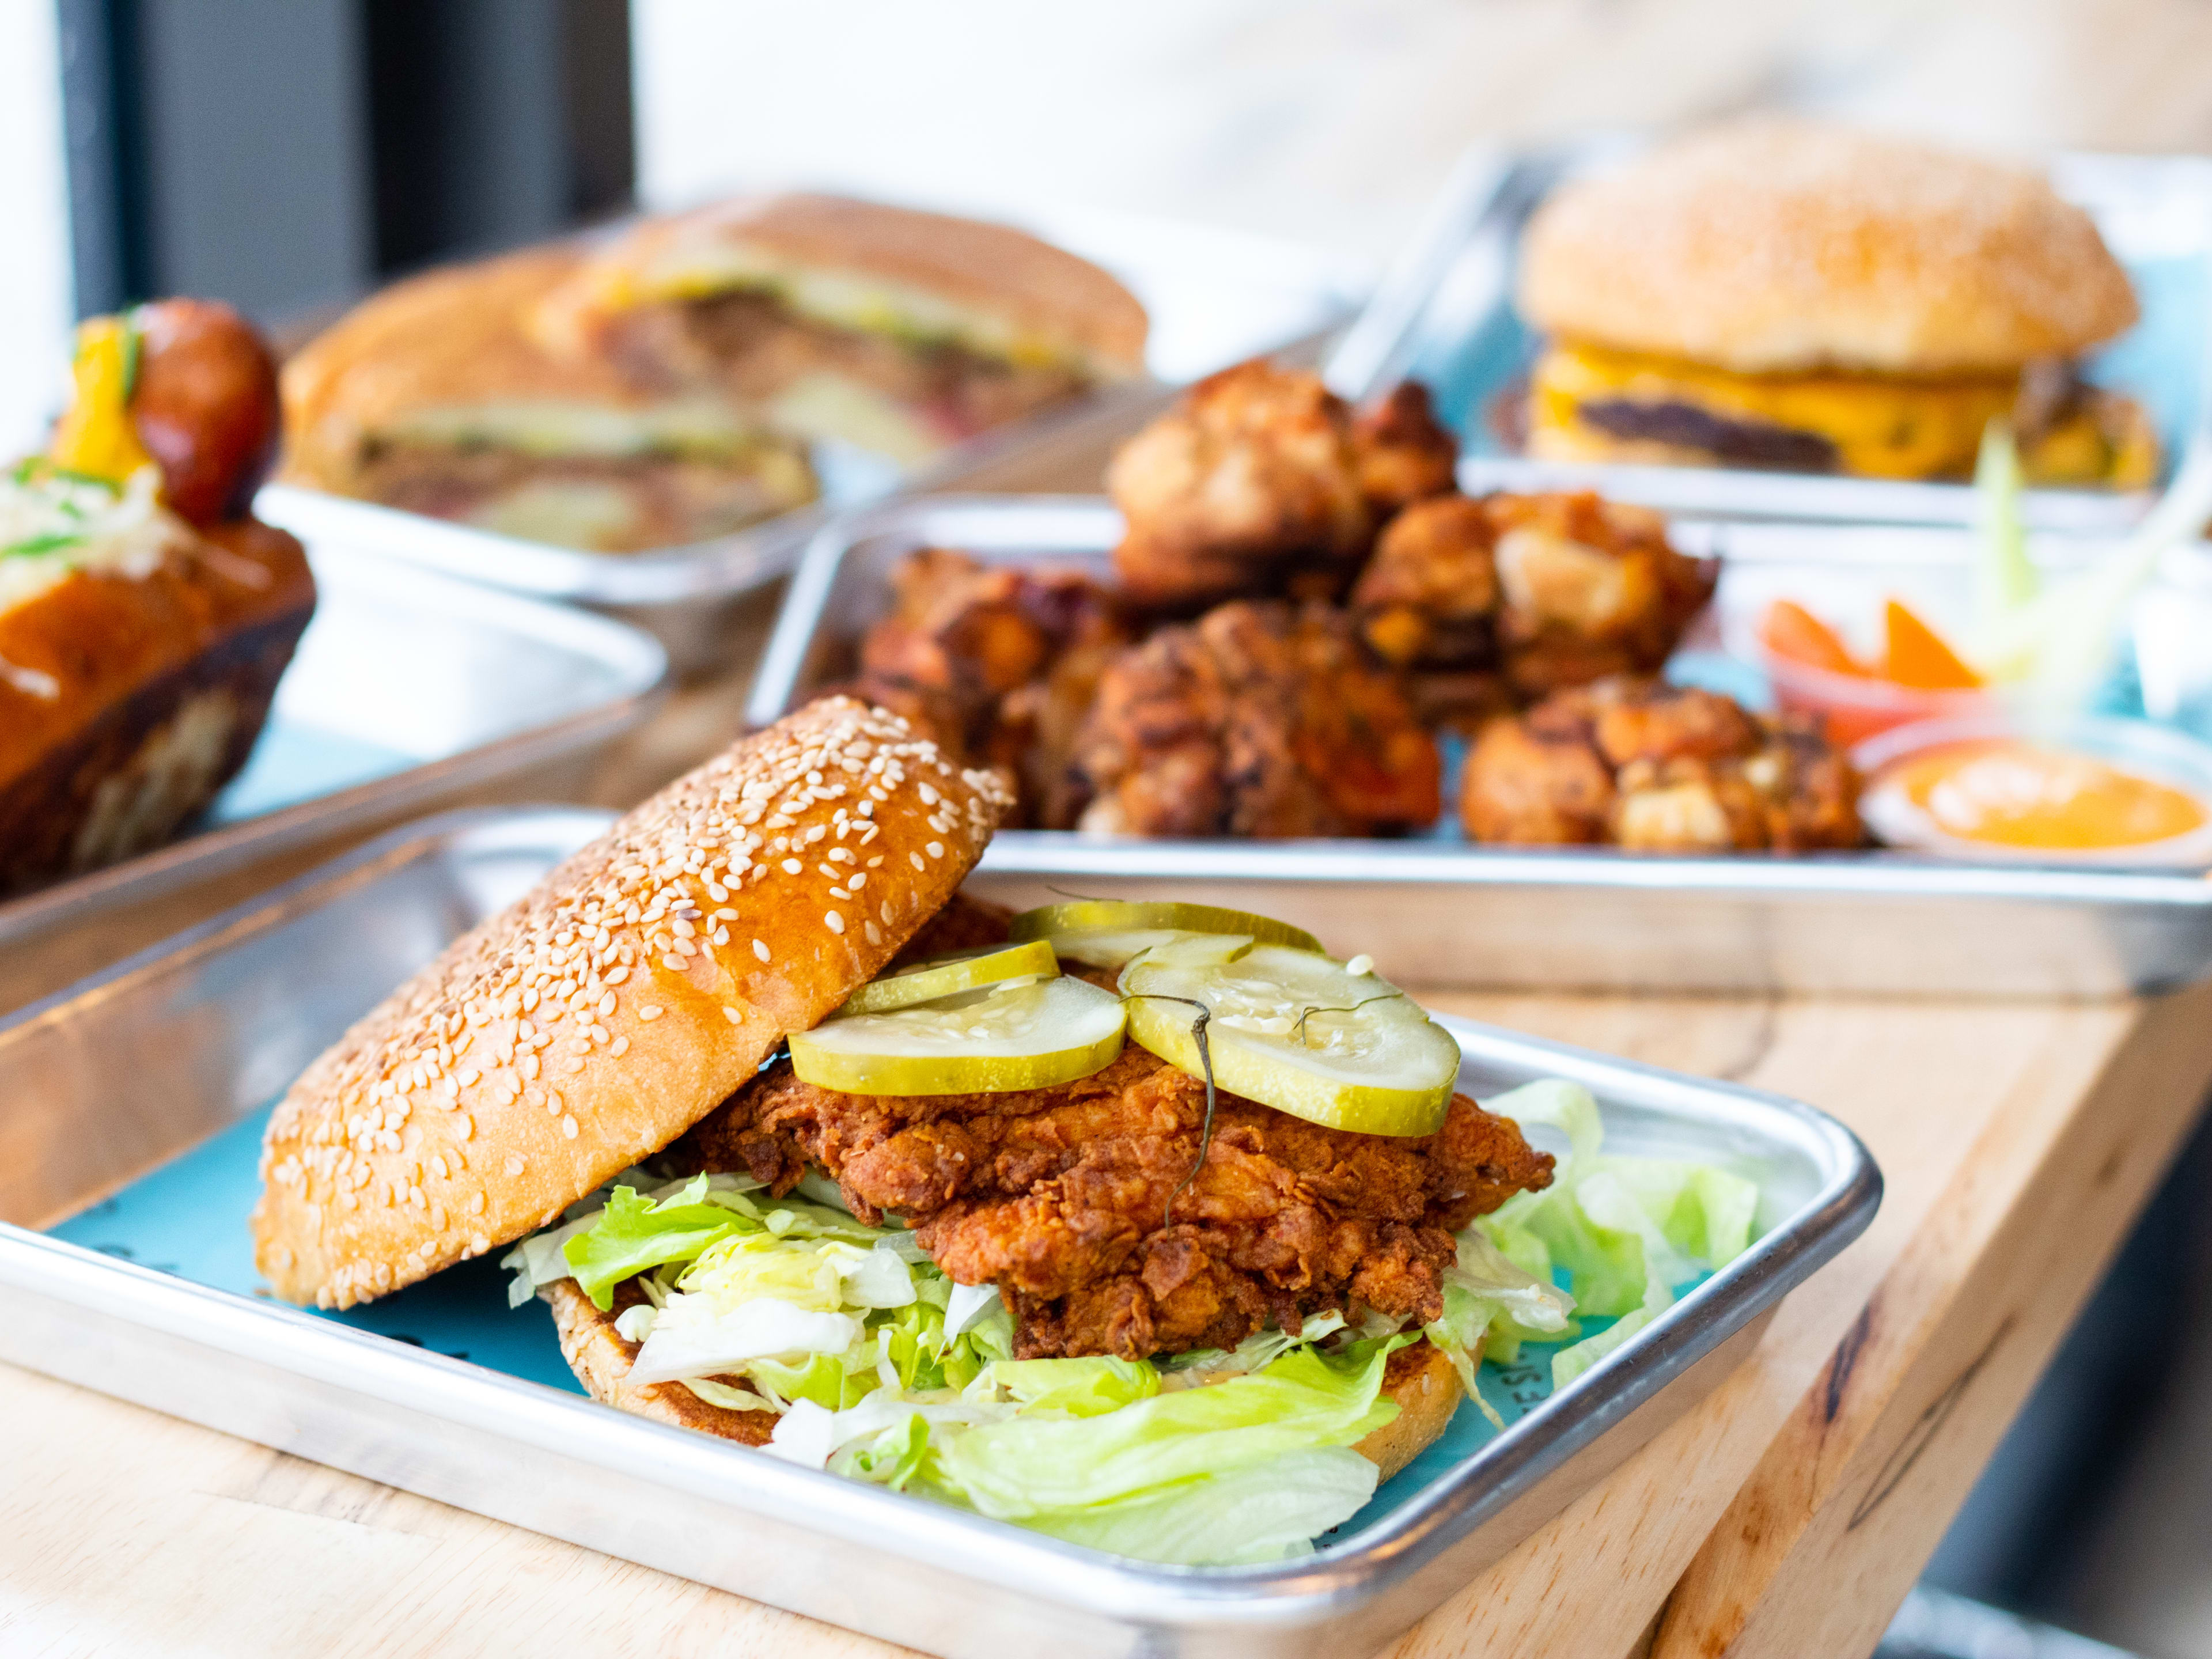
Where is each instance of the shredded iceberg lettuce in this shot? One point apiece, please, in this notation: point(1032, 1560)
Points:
point(881, 1369)
point(1627, 1232)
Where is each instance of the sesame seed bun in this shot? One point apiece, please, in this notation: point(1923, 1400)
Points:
point(597, 1020)
point(1003, 291)
point(1770, 247)
point(1418, 1378)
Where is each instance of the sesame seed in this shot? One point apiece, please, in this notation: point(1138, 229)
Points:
point(760, 950)
point(833, 922)
point(935, 849)
point(514, 1165)
point(875, 933)
point(915, 858)
point(568, 1128)
point(793, 866)
point(733, 1015)
point(649, 1013)
point(672, 962)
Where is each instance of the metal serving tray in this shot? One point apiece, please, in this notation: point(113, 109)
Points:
point(184, 1046)
point(1214, 296)
point(1437, 911)
point(1457, 330)
point(409, 691)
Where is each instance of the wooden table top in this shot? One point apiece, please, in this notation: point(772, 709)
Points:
point(1785, 1514)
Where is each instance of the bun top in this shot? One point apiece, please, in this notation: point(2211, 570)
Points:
point(594, 1021)
point(995, 290)
point(1769, 246)
point(448, 340)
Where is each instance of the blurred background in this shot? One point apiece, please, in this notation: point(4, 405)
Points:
point(289, 156)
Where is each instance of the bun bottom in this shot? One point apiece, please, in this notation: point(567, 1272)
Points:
point(601, 1357)
point(1419, 1378)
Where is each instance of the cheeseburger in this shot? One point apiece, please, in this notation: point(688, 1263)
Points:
point(1151, 1226)
point(1780, 293)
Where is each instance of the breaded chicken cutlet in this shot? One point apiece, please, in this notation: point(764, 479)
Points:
point(1059, 1197)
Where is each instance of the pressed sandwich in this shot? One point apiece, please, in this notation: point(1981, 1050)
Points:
point(433, 396)
point(1153, 1227)
point(1791, 296)
point(896, 331)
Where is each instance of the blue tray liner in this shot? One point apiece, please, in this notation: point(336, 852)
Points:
point(188, 1217)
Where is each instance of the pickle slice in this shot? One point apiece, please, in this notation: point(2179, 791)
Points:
point(1297, 1031)
point(986, 1042)
point(1107, 932)
point(950, 975)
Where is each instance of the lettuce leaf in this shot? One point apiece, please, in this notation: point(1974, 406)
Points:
point(1073, 1387)
point(1260, 1512)
point(1034, 1466)
point(1625, 1232)
point(634, 1234)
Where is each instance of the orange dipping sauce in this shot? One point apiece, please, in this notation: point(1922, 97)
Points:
point(2008, 792)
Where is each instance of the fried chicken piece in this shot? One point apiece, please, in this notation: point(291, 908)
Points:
point(1261, 480)
point(1259, 719)
point(1059, 1196)
point(1658, 768)
point(997, 662)
point(1549, 591)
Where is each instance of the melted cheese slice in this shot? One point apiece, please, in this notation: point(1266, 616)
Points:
point(1881, 428)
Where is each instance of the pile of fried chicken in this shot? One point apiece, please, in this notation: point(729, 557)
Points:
point(1302, 603)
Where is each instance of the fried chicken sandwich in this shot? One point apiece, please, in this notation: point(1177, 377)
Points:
point(1151, 1226)
point(1787, 294)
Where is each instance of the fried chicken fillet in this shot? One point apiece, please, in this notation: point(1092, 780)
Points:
point(1517, 596)
point(1658, 768)
point(1261, 480)
point(1260, 718)
point(1061, 1198)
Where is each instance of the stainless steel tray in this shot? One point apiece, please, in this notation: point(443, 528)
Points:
point(1437, 911)
point(1461, 334)
point(184, 1046)
point(409, 691)
point(1214, 297)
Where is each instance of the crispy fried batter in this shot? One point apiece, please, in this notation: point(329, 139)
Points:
point(1549, 590)
point(997, 663)
point(1057, 1196)
point(1258, 720)
point(1658, 768)
point(1261, 480)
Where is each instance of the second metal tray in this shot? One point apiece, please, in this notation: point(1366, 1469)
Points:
point(1437, 911)
point(409, 691)
point(145, 1290)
